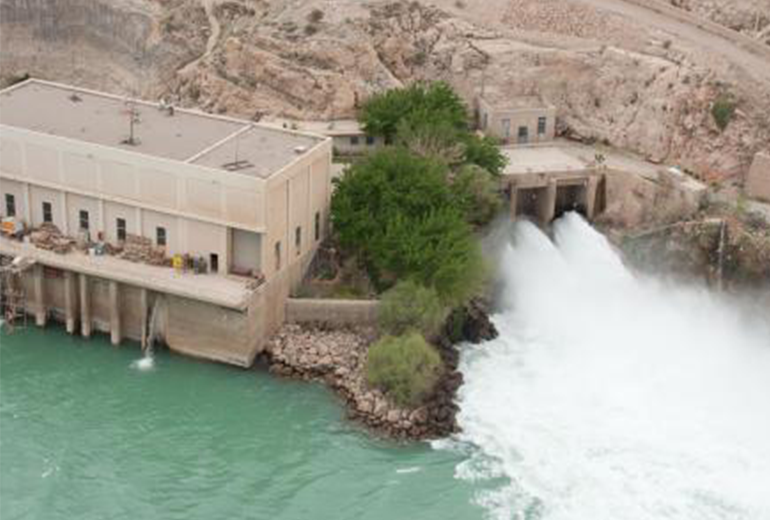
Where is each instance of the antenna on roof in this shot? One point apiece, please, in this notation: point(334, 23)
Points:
point(133, 118)
point(237, 164)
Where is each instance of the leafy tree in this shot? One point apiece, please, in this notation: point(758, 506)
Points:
point(410, 306)
point(397, 211)
point(483, 151)
point(723, 110)
point(477, 192)
point(405, 367)
point(436, 102)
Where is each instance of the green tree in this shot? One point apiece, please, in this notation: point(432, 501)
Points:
point(436, 102)
point(397, 211)
point(411, 306)
point(405, 367)
point(484, 152)
point(723, 110)
point(477, 192)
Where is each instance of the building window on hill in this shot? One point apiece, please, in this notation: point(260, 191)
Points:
point(10, 205)
point(354, 140)
point(47, 212)
point(160, 236)
point(298, 239)
point(541, 123)
point(370, 140)
point(317, 225)
point(121, 229)
point(214, 261)
point(84, 220)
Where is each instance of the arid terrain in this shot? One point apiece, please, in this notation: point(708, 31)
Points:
point(619, 72)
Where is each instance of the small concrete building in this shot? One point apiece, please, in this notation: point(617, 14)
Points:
point(758, 181)
point(250, 199)
point(521, 120)
point(348, 138)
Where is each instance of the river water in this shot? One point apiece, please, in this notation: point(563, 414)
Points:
point(606, 396)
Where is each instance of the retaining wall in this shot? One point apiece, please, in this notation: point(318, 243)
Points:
point(332, 312)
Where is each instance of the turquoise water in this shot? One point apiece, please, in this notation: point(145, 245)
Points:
point(84, 435)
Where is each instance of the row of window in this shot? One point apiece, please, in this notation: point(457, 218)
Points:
point(354, 139)
point(297, 240)
point(542, 125)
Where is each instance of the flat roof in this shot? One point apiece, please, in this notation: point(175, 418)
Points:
point(502, 102)
point(181, 135)
point(540, 159)
point(257, 151)
point(336, 127)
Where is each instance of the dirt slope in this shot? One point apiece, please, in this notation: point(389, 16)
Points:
point(638, 82)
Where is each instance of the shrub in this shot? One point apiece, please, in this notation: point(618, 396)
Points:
point(483, 151)
point(315, 16)
point(410, 306)
point(723, 110)
point(405, 367)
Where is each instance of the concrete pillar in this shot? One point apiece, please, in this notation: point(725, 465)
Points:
point(514, 191)
point(38, 290)
point(115, 332)
point(546, 204)
point(143, 312)
point(70, 301)
point(85, 306)
point(591, 192)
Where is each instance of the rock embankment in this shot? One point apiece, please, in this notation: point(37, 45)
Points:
point(338, 358)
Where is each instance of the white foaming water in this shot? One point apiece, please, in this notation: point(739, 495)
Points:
point(611, 396)
point(145, 363)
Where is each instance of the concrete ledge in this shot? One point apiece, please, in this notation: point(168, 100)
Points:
point(332, 312)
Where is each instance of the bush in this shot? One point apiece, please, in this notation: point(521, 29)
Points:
point(723, 110)
point(410, 306)
point(405, 367)
point(315, 16)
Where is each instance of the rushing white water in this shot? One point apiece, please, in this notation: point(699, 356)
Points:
point(612, 396)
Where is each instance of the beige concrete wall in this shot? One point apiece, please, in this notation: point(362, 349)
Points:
point(38, 195)
point(113, 211)
point(758, 181)
point(492, 120)
point(183, 189)
point(246, 250)
point(76, 203)
point(332, 312)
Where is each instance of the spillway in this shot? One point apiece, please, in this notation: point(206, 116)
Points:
point(609, 395)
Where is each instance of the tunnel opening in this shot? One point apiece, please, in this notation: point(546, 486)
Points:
point(529, 202)
point(571, 197)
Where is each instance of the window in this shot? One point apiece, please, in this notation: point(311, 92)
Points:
point(10, 205)
point(160, 236)
point(354, 140)
point(541, 122)
point(278, 256)
point(370, 140)
point(317, 225)
point(298, 239)
point(214, 262)
point(506, 128)
point(523, 134)
point(84, 220)
point(47, 212)
point(121, 227)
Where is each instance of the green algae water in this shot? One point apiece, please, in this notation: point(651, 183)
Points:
point(85, 435)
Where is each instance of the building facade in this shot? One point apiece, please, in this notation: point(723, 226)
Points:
point(244, 197)
point(523, 120)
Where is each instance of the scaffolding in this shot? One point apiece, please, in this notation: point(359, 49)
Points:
point(13, 298)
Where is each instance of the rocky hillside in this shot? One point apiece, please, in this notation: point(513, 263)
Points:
point(615, 77)
point(751, 17)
